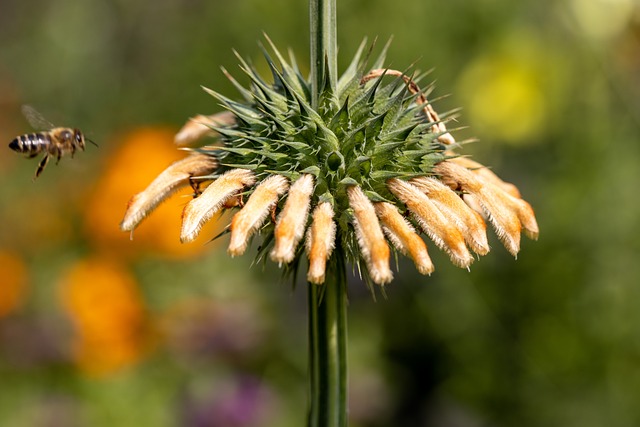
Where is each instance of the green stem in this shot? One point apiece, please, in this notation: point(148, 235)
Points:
point(324, 51)
point(328, 347)
point(327, 303)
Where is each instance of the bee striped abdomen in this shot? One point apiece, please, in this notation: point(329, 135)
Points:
point(31, 143)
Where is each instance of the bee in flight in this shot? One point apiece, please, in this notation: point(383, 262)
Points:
point(53, 142)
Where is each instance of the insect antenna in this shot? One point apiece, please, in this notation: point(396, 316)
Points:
point(92, 142)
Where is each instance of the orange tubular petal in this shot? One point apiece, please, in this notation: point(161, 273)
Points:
point(404, 237)
point(254, 212)
point(169, 181)
point(451, 205)
point(199, 127)
point(472, 201)
point(293, 220)
point(370, 237)
point(500, 208)
point(486, 174)
point(435, 224)
point(523, 209)
point(527, 218)
point(200, 210)
point(320, 242)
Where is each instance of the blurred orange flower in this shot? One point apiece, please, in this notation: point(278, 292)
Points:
point(108, 313)
point(142, 155)
point(13, 282)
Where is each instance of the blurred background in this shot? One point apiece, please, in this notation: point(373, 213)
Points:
point(99, 330)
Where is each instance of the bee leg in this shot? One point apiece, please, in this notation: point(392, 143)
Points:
point(41, 166)
point(32, 155)
point(58, 157)
point(73, 150)
point(195, 185)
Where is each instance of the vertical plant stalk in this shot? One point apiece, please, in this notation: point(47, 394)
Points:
point(322, 14)
point(327, 303)
point(328, 346)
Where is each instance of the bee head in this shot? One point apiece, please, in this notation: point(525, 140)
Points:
point(78, 138)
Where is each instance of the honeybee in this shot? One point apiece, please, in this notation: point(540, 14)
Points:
point(54, 142)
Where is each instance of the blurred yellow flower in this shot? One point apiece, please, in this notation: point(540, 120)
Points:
point(143, 153)
point(505, 97)
point(104, 304)
point(13, 283)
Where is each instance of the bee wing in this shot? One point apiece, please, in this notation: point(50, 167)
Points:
point(35, 119)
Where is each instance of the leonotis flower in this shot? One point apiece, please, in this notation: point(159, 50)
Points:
point(369, 170)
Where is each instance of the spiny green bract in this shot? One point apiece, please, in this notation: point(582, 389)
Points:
point(360, 134)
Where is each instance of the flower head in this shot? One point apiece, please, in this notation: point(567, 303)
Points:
point(369, 170)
